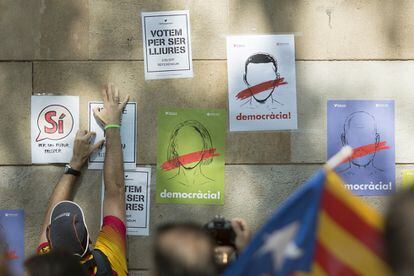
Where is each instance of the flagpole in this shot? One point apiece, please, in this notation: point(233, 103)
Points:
point(338, 158)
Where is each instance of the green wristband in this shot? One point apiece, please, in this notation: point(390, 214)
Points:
point(111, 126)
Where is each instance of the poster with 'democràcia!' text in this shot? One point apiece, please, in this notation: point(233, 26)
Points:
point(190, 156)
point(262, 82)
point(54, 123)
point(368, 127)
point(167, 45)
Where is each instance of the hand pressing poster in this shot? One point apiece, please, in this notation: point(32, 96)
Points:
point(12, 239)
point(368, 127)
point(137, 200)
point(128, 136)
point(167, 45)
point(262, 82)
point(190, 156)
point(54, 123)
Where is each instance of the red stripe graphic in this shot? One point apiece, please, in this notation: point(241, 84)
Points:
point(330, 264)
point(189, 158)
point(258, 88)
point(351, 222)
point(367, 149)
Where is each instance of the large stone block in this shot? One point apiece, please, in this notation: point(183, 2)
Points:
point(15, 92)
point(64, 30)
point(116, 31)
point(327, 30)
point(208, 89)
point(19, 29)
point(319, 81)
point(44, 29)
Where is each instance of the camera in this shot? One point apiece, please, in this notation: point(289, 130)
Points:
point(221, 231)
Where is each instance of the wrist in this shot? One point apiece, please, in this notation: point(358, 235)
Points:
point(76, 165)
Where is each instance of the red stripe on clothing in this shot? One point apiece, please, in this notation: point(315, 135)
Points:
point(352, 223)
point(116, 224)
point(330, 264)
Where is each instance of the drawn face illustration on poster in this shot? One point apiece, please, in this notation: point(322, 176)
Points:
point(368, 127)
point(361, 133)
point(261, 77)
point(190, 156)
point(188, 159)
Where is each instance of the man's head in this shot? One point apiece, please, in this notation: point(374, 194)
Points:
point(67, 229)
point(188, 137)
point(399, 229)
point(360, 129)
point(54, 263)
point(259, 68)
point(183, 249)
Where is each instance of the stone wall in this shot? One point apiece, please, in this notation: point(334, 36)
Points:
point(361, 49)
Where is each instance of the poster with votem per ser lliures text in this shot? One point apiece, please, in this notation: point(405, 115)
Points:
point(190, 156)
point(54, 123)
point(12, 239)
point(262, 82)
point(137, 200)
point(368, 127)
point(128, 136)
point(167, 45)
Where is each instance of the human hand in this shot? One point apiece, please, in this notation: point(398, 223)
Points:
point(83, 148)
point(243, 233)
point(111, 113)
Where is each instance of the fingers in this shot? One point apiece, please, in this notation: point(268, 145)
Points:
point(123, 104)
point(116, 95)
point(96, 146)
point(105, 93)
point(89, 135)
point(238, 226)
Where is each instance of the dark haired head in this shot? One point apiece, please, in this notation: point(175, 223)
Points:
point(399, 229)
point(182, 249)
point(54, 263)
point(173, 151)
point(260, 58)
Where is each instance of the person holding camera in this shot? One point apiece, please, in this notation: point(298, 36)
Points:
point(182, 249)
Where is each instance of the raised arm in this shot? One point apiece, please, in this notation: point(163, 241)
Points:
point(64, 189)
point(110, 117)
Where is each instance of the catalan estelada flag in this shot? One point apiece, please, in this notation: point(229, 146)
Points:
point(321, 229)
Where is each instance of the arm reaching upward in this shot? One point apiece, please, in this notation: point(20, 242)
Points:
point(64, 189)
point(110, 117)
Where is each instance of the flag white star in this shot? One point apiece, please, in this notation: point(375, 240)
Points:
point(280, 243)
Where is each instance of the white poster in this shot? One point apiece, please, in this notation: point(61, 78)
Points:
point(128, 136)
point(262, 82)
point(54, 123)
point(167, 45)
point(137, 200)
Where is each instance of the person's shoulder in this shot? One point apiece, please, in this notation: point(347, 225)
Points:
point(115, 223)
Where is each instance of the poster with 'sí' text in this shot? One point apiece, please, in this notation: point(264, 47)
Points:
point(262, 82)
point(54, 123)
point(368, 127)
point(167, 45)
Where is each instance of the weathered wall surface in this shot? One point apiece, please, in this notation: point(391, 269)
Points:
point(344, 49)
